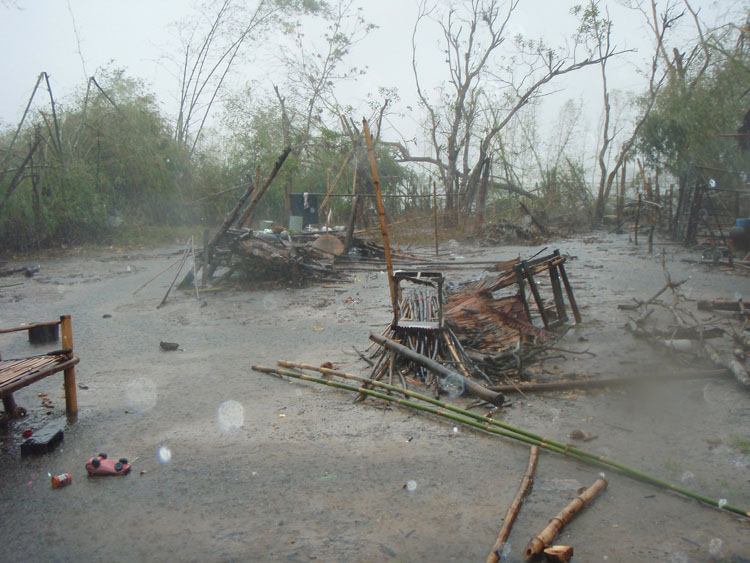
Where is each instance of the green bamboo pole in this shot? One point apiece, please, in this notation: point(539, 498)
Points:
point(560, 445)
point(412, 405)
point(496, 427)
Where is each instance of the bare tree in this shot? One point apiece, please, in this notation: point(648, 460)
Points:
point(484, 91)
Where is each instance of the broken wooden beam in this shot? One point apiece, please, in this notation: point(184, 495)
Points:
point(545, 537)
point(497, 549)
point(605, 382)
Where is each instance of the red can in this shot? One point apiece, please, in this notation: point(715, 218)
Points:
point(61, 480)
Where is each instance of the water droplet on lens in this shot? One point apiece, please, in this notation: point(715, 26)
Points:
point(140, 394)
point(230, 415)
point(270, 302)
point(687, 476)
point(455, 429)
point(411, 486)
point(453, 385)
point(505, 551)
point(714, 547)
point(722, 502)
point(164, 454)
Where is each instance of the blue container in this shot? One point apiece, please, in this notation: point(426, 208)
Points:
point(742, 223)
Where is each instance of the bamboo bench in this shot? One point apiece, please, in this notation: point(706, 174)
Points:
point(18, 373)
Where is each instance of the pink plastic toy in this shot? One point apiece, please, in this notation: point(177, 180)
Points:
point(100, 465)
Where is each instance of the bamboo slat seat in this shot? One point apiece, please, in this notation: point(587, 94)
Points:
point(18, 373)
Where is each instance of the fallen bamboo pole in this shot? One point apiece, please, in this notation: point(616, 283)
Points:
point(606, 382)
point(258, 193)
point(439, 412)
point(470, 386)
point(510, 516)
point(179, 269)
point(497, 427)
point(172, 265)
point(545, 537)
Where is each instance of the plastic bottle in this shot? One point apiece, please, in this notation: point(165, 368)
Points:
point(61, 480)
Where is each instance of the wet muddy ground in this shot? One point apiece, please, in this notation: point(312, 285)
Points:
point(230, 464)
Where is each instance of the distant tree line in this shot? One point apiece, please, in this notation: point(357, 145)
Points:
point(108, 158)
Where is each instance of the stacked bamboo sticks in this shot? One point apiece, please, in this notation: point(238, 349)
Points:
point(490, 425)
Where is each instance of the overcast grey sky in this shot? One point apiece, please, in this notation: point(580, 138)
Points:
point(139, 35)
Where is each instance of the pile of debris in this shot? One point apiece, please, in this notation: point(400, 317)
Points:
point(479, 331)
point(496, 330)
point(266, 256)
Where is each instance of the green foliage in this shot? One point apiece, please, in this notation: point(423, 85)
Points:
point(115, 161)
point(564, 191)
point(693, 119)
point(256, 139)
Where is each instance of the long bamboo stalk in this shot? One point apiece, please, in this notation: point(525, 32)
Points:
point(435, 212)
point(546, 536)
point(410, 404)
point(172, 265)
point(381, 216)
point(497, 427)
point(510, 516)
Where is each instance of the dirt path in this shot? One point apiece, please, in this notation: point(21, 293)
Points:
point(227, 477)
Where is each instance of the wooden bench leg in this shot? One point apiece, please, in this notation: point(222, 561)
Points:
point(71, 399)
point(9, 404)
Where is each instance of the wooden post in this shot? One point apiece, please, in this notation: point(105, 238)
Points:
point(554, 278)
point(206, 257)
point(71, 398)
point(621, 199)
point(568, 289)
point(434, 206)
point(637, 218)
point(671, 216)
point(381, 216)
point(355, 207)
point(651, 238)
point(535, 292)
point(522, 291)
point(328, 191)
